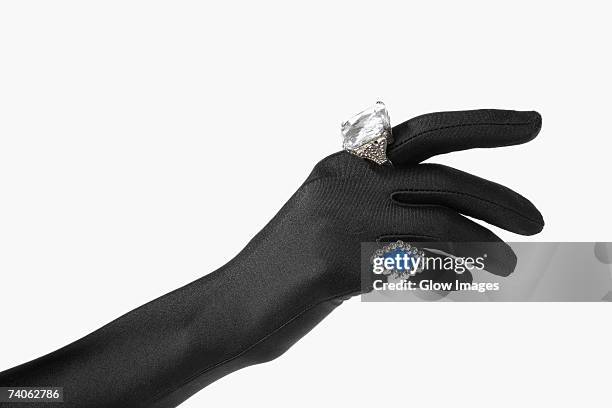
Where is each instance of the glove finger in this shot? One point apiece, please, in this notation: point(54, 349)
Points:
point(437, 273)
point(469, 195)
point(440, 228)
point(442, 132)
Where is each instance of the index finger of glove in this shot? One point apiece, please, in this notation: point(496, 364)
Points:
point(442, 132)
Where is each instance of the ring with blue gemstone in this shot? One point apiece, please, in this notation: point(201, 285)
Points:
point(368, 133)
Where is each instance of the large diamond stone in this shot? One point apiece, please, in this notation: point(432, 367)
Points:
point(365, 127)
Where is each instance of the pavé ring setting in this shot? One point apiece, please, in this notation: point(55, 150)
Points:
point(368, 133)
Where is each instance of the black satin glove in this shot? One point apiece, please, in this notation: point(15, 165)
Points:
point(302, 265)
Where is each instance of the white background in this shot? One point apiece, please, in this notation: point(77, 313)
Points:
point(116, 185)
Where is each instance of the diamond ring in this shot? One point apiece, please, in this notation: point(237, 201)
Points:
point(367, 134)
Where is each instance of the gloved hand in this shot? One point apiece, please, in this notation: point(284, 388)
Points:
point(302, 265)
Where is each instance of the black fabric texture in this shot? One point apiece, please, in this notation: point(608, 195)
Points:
point(303, 264)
